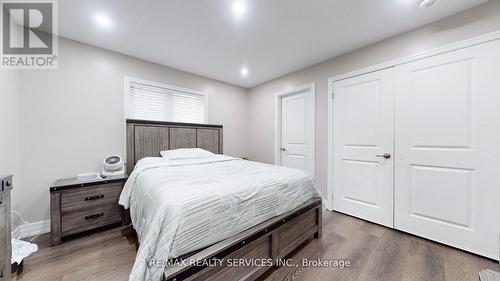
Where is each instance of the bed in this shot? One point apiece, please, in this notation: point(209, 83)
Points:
point(210, 208)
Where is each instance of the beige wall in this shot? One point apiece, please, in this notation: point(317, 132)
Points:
point(73, 117)
point(482, 19)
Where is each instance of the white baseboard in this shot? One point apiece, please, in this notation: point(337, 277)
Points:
point(31, 229)
point(324, 204)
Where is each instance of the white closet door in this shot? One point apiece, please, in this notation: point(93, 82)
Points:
point(364, 134)
point(447, 176)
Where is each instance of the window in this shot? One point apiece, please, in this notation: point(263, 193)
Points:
point(145, 100)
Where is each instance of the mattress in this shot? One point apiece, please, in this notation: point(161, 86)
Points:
point(180, 206)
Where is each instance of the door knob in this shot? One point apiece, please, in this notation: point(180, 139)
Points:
point(385, 155)
point(283, 149)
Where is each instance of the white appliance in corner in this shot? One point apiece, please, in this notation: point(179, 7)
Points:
point(112, 166)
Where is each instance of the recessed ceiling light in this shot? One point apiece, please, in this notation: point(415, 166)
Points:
point(427, 3)
point(239, 8)
point(244, 71)
point(103, 21)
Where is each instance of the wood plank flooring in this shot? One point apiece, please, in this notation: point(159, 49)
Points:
point(376, 253)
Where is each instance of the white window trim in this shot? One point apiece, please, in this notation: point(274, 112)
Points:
point(128, 80)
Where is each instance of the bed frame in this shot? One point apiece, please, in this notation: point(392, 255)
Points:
point(272, 240)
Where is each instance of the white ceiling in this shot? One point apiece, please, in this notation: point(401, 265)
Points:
point(273, 37)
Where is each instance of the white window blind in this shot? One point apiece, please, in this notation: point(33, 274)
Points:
point(164, 103)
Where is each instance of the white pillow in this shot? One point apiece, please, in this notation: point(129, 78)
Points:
point(185, 153)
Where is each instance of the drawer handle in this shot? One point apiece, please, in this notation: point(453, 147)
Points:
point(94, 197)
point(91, 217)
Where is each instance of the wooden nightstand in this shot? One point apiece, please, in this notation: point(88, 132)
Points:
point(77, 206)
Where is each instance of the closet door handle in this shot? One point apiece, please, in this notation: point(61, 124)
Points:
point(385, 155)
point(283, 149)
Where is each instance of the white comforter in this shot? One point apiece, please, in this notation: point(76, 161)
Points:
point(179, 206)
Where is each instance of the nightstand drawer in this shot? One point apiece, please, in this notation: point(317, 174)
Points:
point(90, 197)
point(3, 249)
point(89, 219)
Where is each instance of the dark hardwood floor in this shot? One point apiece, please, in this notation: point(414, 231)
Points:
point(376, 253)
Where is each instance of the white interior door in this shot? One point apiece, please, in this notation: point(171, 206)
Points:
point(447, 185)
point(364, 134)
point(296, 129)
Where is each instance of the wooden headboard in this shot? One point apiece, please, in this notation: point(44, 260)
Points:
point(148, 138)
